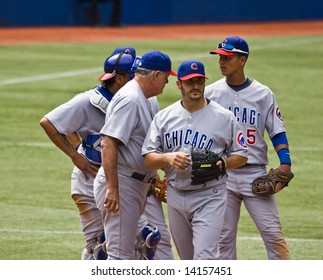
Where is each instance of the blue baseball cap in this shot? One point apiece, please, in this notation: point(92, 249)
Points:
point(190, 69)
point(231, 46)
point(156, 60)
point(126, 49)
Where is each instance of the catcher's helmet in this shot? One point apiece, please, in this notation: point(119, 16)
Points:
point(128, 50)
point(119, 63)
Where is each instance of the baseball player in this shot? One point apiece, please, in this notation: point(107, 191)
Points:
point(195, 211)
point(82, 117)
point(256, 110)
point(129, 115)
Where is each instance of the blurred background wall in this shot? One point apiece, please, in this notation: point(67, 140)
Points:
point(19, 13)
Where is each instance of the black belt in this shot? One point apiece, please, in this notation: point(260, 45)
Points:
point(249, 165)
point(143, 178)
point(194, 190)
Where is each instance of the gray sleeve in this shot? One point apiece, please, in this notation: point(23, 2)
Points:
point(69, 117)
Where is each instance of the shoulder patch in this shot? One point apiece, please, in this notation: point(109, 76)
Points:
point(278, 114)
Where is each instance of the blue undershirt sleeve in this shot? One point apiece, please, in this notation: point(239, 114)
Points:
point(283, 153)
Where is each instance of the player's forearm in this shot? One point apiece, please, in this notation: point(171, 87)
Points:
point(74, 140)
point(155, 160)
point(58, 139)
point(109, 153)
point(235, 161)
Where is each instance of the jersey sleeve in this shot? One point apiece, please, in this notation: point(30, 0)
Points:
point(274, 123)
point(69, 117)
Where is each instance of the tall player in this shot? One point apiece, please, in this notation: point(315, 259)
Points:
point(256, 109)
point(127, 179)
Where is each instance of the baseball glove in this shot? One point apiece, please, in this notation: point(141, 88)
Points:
point(269, 184)
point(204, 166)
point(158, 188)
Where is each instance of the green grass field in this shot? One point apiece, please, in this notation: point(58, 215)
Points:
point(39, 220)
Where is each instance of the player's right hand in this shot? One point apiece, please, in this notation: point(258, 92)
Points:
point(179, 160)
point(111, 200)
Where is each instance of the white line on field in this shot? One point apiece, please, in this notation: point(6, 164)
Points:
point(287, 239)
point(294, 42)
point(79, 232)
point(41, 231)
point(50, 76)
point(28, 144)
point(51, 145)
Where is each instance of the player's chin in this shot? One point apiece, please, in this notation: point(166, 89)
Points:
point(162, 90)
point(196, 95)
point(223, 71)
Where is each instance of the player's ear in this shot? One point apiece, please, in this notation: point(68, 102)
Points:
point(118, 78)
point(157, 73)
point(179, 84)
point(243, 60)
point(121, 80)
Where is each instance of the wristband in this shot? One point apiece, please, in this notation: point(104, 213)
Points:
point(284, 156)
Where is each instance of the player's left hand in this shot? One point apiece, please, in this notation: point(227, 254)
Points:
point(273, 182)
point(286, 169)
point(206, 166)
point(87, 168)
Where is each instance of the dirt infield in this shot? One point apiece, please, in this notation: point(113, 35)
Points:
point(130, 33)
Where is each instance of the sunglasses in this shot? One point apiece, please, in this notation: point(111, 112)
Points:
point(228, 47)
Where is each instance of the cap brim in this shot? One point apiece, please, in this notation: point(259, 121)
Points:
point(106, 76)
point(171, 73)
point(223, 52)
point(190, 76)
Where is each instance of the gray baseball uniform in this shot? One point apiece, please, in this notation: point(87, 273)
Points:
point(128, 118)
point(176, 129)
point(256, 110)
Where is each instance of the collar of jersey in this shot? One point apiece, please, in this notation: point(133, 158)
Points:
point(104, 92)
